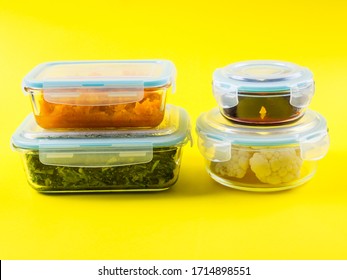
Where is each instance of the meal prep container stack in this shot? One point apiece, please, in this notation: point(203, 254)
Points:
point(262, 137)
point(100, 126)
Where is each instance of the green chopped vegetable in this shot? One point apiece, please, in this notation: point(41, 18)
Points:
point(159, 173)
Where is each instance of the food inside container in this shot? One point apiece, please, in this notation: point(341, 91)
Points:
point(100, 94)
point(158, 174)
point(263, 92)
point(262, 158)
point(103, 160)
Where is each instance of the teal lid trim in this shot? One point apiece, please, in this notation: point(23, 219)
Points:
point(95, 139)
point(284, 77)
point(311, 127)
point(167, 77)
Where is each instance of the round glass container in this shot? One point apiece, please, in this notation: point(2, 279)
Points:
point(268, 158)
point(263, 92)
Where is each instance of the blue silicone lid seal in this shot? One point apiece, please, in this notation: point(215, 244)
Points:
point(101, 148)
point(310, 133)
point(174, 130)
point(263, 79)
point(107, 73)
point(310, 126)
point(262, 76)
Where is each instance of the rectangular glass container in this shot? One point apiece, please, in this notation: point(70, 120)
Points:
point(103, 160)
point(100, 94)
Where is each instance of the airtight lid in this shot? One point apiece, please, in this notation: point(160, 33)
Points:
point(258, 77)
point(95, 148)
point(310, 133)
point(120, 79)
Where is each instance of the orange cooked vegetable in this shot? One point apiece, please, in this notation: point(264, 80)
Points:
point(147, 112)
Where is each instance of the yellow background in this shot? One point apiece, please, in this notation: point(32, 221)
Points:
point(198, 218)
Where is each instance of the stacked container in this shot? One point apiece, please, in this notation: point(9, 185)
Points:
point(102, 126)
point(262, 137)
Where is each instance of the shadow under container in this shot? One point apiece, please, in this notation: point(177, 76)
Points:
point(262, 159)
point(263, 92)
point(100, 94)
point(60, 161)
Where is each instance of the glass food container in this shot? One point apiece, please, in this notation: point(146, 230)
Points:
point(103, 160)
point(85, 94)
point(263, 92)
point(267, 158)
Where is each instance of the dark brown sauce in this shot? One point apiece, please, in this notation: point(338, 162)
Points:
point(263, 110)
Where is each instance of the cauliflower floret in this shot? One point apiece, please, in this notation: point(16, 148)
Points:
point(276, 167)
point(237, 165)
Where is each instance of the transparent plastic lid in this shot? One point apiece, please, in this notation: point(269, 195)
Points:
point(102, 147)
point(121, 81)
point(310, 133)
point(257, 77)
